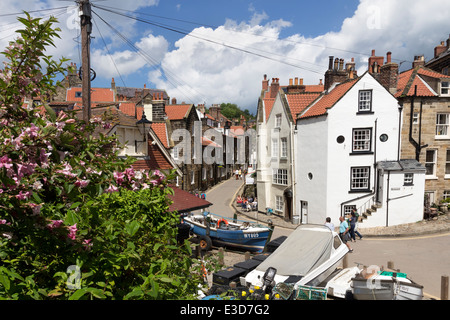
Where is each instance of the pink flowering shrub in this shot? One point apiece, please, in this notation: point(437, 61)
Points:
point(66, 199)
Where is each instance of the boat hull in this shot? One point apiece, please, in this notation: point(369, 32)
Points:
point(382, 288)
point(250, 238)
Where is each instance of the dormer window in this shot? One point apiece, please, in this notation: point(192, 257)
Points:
point(445, 88)
point(278, 121)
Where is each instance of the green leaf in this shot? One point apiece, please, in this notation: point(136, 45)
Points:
point(78, 294)
point(132, 227)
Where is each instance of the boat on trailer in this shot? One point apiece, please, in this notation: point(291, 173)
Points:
point(221, 231)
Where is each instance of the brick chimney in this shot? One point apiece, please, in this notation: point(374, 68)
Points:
point(274, 87)
point(375, 62)
point(336, 72)
point(440, 48)
point(418, 61)
point(265, 83)
point(295, 86)
point(388, 75)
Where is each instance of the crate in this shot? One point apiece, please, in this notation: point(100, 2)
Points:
point(311, 293)
point(228, 275)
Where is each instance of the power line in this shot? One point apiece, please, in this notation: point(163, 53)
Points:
point(173, 29)
point(172, 79)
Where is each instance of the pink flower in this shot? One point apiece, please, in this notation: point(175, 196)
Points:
point(81, 183)
point(55, 224)
point(112, 189)
point(72, 231)
point(23, 196)
point(119, 177)
point(5, 162)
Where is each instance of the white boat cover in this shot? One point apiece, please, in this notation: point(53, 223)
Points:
point(305, 249)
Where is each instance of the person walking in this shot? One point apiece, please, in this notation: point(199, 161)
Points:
point(329, 224)
point(354, 225)
point(343, 232)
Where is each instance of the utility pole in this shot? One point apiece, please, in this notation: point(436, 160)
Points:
point(86, 29)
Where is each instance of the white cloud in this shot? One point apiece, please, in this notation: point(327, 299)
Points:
point(221, 74)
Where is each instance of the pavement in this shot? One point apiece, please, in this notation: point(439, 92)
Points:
point(224, 194)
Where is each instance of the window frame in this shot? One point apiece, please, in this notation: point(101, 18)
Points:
point(433, 163)
point(442, 127)
point(353, 180)
point(408, 179)
point(278, 120)
point(279, 203)
point(280, 177)
point(284, 148)
point(363, 103)
point(367, 150)
point(275, 148)
point(447, 87)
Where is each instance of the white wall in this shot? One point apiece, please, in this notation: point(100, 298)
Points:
point(331, 162)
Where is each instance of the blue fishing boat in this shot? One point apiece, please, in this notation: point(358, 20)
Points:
point(212, 229)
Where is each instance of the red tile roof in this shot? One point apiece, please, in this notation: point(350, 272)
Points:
point(299, 101)
point(408, 80)
point(327, 101)
point(178, 111)
point(160, 130)
point(97, 94)
point(183, 201)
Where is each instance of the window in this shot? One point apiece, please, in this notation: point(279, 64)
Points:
point(279, 203)
point(275, 148)
point(280, 176)
point(360, 178)
point(445, 88)
point(446, 194)
point(278, 121)
point(362, 140)
point(284, 147)
point(447, 163)
point(430, 162)
point(442, 123)
point(365, 101)
point(78, 94)
point(415, 118)
point(408, 179)
point(175, 153)
point(349, 209)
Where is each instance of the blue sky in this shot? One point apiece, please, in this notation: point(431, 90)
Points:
point(223, 48)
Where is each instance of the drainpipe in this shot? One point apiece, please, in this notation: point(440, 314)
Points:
point(416, 144)
point(400, 109)
point(293, 134)
point(387, 199)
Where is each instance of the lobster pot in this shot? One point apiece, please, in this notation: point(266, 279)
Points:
point(311, 293)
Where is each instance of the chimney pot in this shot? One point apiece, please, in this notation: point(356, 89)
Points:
point(301, 81)
point(330, 63)
point(388, 57)
point(290, 82)
point(373, 52)
point(296, 81)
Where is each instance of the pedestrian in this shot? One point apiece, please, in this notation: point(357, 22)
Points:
point(236, 173)
point(240, 174)
point(329, 224)
point(354, 225)
point(343, 232)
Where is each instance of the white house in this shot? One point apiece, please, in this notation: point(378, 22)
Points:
point(276, 119)
point(347, 156)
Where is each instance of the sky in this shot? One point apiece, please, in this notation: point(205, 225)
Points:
point(211, 52)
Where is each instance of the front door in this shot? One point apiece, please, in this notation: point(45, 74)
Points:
point(304, 211)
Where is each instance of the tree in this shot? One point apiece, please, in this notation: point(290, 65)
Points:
point(232, 111)
point(76, 222)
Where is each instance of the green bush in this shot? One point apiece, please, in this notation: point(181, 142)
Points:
point(77, 222)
